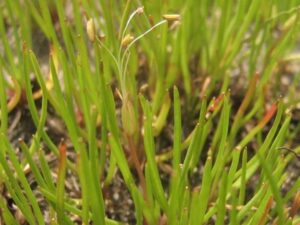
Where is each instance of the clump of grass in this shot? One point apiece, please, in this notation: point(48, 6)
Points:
point(116, 117)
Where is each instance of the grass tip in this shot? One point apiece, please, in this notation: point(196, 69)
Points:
point(238, 148)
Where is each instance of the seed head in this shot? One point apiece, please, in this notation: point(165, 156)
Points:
point(90, 29)
point(127, 40)
point(171, 17)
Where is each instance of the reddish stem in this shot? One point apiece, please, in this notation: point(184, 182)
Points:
point(269, 114)
point(216, 103)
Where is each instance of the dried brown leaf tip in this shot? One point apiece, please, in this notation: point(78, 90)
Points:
point(62, 155)
point(216, 102)
point(268, 115)
point(62, 149)
point(127, 40)
point(266, 211)
point(296, 205)
point(151, 20)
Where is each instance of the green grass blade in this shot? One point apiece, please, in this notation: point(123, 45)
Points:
point(150, 153)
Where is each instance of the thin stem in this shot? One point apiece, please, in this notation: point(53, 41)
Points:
point(140, 36)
